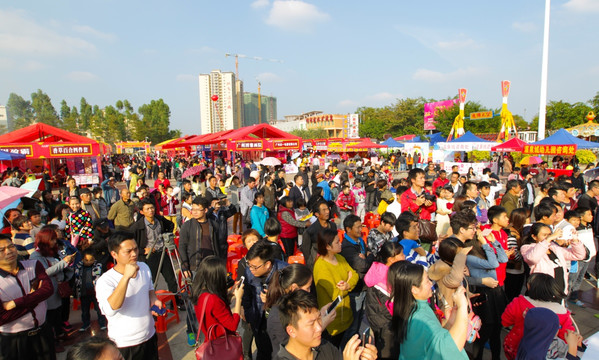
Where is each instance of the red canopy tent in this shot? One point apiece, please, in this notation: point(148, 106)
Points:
point(46, 146)
point(513, 144)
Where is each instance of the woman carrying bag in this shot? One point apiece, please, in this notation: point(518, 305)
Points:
point(209, 293)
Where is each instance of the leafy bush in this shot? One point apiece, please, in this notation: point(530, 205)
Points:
point(477, 156)
point(586, 157)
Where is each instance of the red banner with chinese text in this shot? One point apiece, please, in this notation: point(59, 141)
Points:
point(550, 149)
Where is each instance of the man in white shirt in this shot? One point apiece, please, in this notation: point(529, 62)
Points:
point(395, 209)
point(125, 294)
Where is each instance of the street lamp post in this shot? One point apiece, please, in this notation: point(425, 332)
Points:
point(545, 61)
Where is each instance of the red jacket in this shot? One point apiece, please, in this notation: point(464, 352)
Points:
point(216, 312)
point(514, 315)
point(288, 231)
point(408, 199)
point(439, 183)
point(165, 182)
point(501, 237)
point(346, 202)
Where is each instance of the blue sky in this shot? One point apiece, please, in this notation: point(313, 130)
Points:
point(337, 55)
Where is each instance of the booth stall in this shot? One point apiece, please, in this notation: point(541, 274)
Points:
point(465, 143)
point(132, 147)
point(60, 151)
point(561, 143)
point(255, 141)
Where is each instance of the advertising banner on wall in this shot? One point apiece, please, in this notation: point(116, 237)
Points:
point(353, 126)
point(430, 110)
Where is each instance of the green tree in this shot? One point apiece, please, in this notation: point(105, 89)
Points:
point(114, 126)
point(155, 121)
point(310, 134)
point(20, 112)
point(561, 114)
point(446, 117)
point(69, 117)
point(85, 111)
point(405, 116)
point(43, 109)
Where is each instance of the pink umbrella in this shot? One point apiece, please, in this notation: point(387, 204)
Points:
point(192, 171)
point(9, 194)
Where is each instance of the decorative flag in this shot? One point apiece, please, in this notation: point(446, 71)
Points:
point(458, 123)
point(507, 120)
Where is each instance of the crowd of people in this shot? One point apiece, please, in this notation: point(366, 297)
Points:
point(428, 262)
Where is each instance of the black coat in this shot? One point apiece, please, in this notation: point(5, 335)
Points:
point(296, 194)
point(139, 231)
point(379, 319)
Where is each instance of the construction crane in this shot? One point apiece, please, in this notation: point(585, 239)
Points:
point(237, 56)
point(238, 85)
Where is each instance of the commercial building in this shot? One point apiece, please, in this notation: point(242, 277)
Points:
point(336, 125)
point(251, 110)
point(226, 112)
point(294, 122)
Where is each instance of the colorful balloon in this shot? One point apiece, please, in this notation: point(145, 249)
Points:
point(214, 97)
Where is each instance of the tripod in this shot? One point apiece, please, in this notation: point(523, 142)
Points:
point(183, 285)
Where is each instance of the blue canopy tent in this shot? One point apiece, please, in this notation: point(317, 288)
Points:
point(392, 143)
point(563, 137)
point(470, 138)
point(5, 155)
point(436, 137)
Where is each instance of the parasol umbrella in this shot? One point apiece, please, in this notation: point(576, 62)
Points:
point(591, 174)
point(9, 194)
point(32, 186)
point(12, 205)
point(270, 161)
point(530, 160)
point(194, 170)
point(295, 156)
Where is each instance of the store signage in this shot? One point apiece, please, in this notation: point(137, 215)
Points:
point(70, 150)
point(249, 145)
point(481, 115)
point(550, 149)
point(285, 144)
point(26, 150)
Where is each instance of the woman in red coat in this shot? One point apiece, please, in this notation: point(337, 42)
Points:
point(211, 298)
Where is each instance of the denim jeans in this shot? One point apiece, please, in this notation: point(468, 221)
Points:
point(86, 302)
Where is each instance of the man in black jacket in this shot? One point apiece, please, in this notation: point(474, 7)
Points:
point(148, 231)
point(299, 190)
point(310, 236)
point(359, 257)
point(205, 234)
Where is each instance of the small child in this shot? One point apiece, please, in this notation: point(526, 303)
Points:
point(36, 222)
point(169, 206)
point(444, 198)
point(102, 203)
point(360, 197)
point(272, 229)
point(222, 186)
point(346, 203)
point(585, 235)
point(87, 272)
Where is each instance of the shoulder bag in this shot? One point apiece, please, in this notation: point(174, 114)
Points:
point(227, 347)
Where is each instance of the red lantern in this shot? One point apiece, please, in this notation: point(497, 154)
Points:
point(214, 97)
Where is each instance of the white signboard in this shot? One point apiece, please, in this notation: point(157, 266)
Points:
point(353, 126)
point(463, 167)
point(466, 146)
point(418, 147)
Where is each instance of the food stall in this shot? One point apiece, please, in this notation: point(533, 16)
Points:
point(455, 149)
point(60, 151)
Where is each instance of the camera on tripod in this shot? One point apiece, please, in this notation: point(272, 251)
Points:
point(168, 240)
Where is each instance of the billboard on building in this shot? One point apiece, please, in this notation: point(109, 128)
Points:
point(353, 126)
point(430, 110)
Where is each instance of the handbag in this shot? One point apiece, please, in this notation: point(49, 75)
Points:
point(427, 229)
point(64, 289)
point(227, 347)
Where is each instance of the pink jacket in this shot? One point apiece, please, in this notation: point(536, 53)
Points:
point(536, 257)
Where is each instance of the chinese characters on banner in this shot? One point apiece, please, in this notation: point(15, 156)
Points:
point(353, 126)
point(466, 146)
point(26, 150)
point(62, 150)
point(285, 144)
point(430, 110)
point(550, 149)
point(248, 145)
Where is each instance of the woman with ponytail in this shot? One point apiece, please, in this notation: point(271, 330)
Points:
point(416, 327)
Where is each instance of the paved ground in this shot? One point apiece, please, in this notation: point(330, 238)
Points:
point(173, 343)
